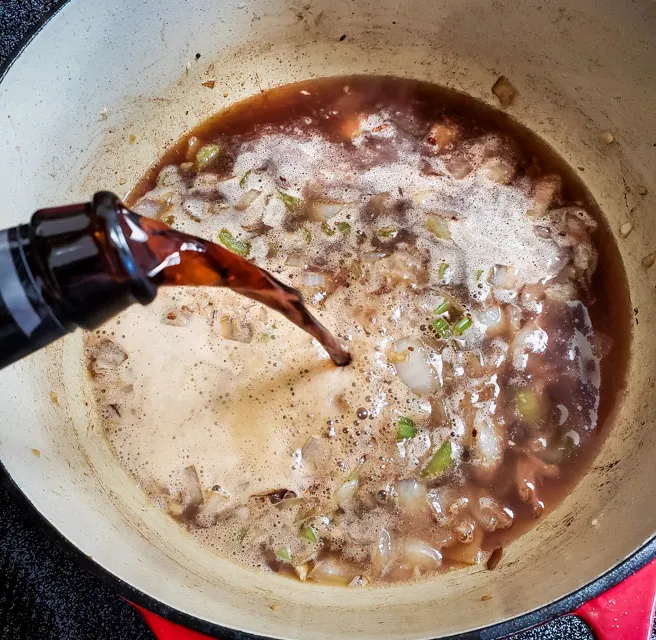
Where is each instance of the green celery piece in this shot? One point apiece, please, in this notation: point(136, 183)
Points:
point(327, 229)
point(292, 203)
point(462, 325)
point(309, 534)
point(443, 307)
point(439, 462)
point(206, 155)
point(387, 233)
point(405, 429)
point(242, 182)
point(240, 247)
point(307, 235)
point(344, 227)
point(441, 327)
point(284, 554)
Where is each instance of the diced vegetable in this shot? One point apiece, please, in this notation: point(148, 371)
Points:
point(247, 199)
point(327, 229)
point(438, 227)
point(416, 370)
point(503, 277)
point(244, 178)
point(240, 247)
point(346, 491)
point(332, 571)
point(108, 356)
point(479, 274)
point(442, 270)
point(387, 233)
point(381, 554)
point(314, 279)
point(528, 405)
point(412, 494)
point(441, 308)
point(439, 462)
point(295, 260)
point(292, 203)
point(405, 428)
point(207, 155)
point(301, 572)
point(344, 227)
point(462, 325)
point(419, 197)
point(418, 553)
point(324, 211)
point(284, 554)
point(308, 534)
point(441, 328)
point(307, 235)
point(192, 494)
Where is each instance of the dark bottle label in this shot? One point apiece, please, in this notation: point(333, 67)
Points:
point(27, 322)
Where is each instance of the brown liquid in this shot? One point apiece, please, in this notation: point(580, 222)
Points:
point(281, 110)
point(177, 259)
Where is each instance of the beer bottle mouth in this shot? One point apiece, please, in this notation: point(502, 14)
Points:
point(108, 207)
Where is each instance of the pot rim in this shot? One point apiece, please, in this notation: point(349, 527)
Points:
point(563, 606)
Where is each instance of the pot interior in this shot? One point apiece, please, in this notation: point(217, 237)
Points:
point(70, 106)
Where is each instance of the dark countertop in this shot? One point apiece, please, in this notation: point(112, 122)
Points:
point(44, 595)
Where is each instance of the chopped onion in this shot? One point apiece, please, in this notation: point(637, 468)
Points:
point(212, 509)
point(346, 491)
point(301, 572)
point(312, 449)
point(498, 170)
point(419, 197)
point(416, 372)
point(373, 256)
point(493, 318)
point(197, 209)
point(233, 329)
point(295, 260)
point(324, 211)
point(192, 495)
point(439, 227)
point(332, 571)
point(314, 279)
point(381, 554)
point(247, 199)
point(459, 168)
point(412, 494)
point(503, 277)
point(487, 447)
point(150, 208)
point(417, 553)
point(490, 514)
point(530, 339)
point(108, 356)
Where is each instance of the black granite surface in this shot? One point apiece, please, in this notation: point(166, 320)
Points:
point(44, 595)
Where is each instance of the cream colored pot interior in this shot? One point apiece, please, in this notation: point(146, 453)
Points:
point(101, 71)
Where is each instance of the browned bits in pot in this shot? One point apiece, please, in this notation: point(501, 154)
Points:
point(495, 558)
point(504, 91)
